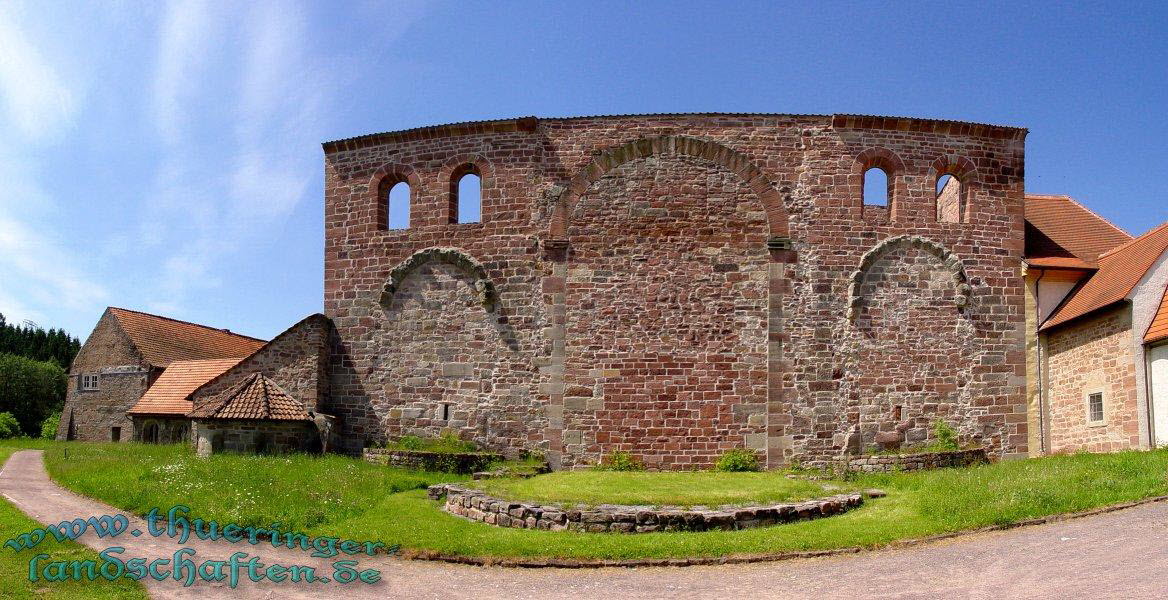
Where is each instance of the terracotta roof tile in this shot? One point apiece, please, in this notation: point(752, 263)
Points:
point(1061, 262)
point(170, 393)
point(1119, 271)
point(1158, 330)
point(1059, 226)
point(163, 340)
point(256, 397)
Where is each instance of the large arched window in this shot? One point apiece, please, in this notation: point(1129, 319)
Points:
point(398, 200)
point(466, 195)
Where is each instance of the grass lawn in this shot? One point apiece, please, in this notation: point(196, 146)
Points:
point(298, 491)
point(14, 582)
point(679, 489)
point(348, 498)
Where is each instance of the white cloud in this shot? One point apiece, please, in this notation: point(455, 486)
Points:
point(212, 202)
point(42, 272)
point(36, 101)
point(184, 43)
point(40, 279)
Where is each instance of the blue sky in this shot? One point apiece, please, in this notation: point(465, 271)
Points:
point(166, 156)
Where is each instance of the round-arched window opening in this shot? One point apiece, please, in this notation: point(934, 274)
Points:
point(950, 199)
point(150, 433)
point(875, 187)
point(466, 202)
point(398, 200)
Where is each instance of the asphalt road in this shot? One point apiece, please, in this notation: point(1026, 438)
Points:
point(1122, 554)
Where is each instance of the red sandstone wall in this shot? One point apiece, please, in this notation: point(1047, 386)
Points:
point(1093, 355)
point(638, 306)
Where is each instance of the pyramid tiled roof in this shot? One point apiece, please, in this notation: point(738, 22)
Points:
point(163, 340)
point(1119, 272)
point(170, 393)
point(1057, 226)
point(256, 397)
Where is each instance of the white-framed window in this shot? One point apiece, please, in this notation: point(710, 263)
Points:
point(88, 382)
point(1095, 408)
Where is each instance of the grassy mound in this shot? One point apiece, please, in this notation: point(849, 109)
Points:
point(658, 489)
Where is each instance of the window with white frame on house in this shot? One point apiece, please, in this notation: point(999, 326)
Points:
point(89, 381)
point(1095, 407)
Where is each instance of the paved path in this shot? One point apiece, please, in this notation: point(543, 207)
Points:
point(1122, 554)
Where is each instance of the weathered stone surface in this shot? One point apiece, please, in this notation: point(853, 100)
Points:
point(912, 462)
point(631, 519)
point(678, 267)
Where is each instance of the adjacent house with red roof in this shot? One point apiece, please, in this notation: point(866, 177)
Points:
point(1097, 320)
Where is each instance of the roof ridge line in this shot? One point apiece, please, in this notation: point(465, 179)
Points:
point(218, 329)
point(1101, 217)
point(1134, 240)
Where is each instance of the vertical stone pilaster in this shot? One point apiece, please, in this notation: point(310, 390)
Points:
point(551, 366)
point(778, 402)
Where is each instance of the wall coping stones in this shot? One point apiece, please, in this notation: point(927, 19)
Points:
point(883, 463)
point(616, 518)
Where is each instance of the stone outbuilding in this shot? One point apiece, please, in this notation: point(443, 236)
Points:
point(255, 416)
point(160, 416)
point(125, 356)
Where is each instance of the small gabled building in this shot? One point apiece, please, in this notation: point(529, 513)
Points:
point(124, 357)
point(254, 416)
point(160, 416)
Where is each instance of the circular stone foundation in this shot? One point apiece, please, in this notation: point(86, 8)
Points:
point(613, 518)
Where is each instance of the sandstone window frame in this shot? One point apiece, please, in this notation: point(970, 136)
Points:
point(1089, 404)
point(389, 202)
point(382, 182)
point(457, 176)
point(890, 163)
point(452, 172)
point(89, 382)
point(965, 172)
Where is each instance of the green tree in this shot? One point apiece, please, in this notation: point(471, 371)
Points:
point(49, 425)
point(9, 427)
point(34, 342)
point(31, 390)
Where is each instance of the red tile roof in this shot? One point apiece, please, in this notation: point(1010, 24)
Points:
point(1158, 330)
point(170, 393)
point(256, 397)
point(1061, 262)
point(1119, 271)
point(1059, 226)
point(163, 340)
